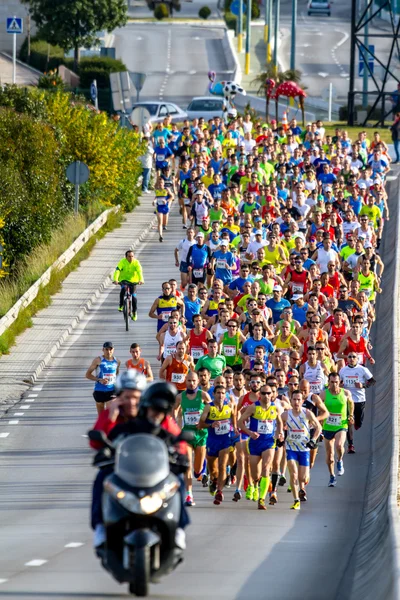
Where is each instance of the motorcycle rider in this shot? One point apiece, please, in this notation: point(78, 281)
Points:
point(151, 416)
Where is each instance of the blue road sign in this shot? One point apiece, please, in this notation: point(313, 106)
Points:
point(93, 91)
point(15, 25)
point(371, 62)
point(234, 8)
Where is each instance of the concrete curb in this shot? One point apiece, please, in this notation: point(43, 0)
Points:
point(85, 309)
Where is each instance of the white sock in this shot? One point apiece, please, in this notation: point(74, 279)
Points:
point(180, 538)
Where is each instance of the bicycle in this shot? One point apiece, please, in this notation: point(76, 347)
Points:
point(130, 292)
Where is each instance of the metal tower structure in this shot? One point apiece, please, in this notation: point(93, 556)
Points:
point(361, 34)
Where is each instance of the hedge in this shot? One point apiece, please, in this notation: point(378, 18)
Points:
point(41, 133)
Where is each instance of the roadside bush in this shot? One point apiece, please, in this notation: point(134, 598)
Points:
point(231, 21)
point(98, 68)
point(51, 81)
point(161, 11)
point(204, 12)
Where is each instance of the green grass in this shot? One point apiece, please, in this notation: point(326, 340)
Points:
point(44, 297)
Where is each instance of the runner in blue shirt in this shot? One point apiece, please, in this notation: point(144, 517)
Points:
point(224, 261)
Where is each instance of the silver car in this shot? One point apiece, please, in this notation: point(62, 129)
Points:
point(206, 107)
point(321, 7)
point(159, 110)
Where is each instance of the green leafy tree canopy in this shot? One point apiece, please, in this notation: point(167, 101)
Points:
point(75, 23)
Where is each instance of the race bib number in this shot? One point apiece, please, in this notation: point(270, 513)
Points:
point(297, 435)
point(178, 378)
point(315, 387)
point(221, 264)
point(334, 419)
point(360, 358)
point(161, 202)
point(165, 316)
point(198, 273)
point(350, 381)
point(265, 427)
point(297, 288)
point(197, 353)
point(160, 158)
point(223, 427)
point(110, 377)
point(229, 350)
point(170, 350)
point(192, 417)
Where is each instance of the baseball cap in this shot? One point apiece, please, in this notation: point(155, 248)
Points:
point(257, 219)
point(328, 188)
point(224, 243)
point(362, 185)
point(108, 345)
point(349, 235)
point(367, 245)
point(313, 238)
point(296, 297)
point(277, 288)
point(200, 234)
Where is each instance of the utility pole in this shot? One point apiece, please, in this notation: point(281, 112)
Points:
point(248, 29)
point(365, 55)
point(350, 102)
point(269, 53)
point(266, 25)
point(240, 27)
point(293, 40)
point(276, 35)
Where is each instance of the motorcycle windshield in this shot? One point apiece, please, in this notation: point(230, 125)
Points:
point(142, 461)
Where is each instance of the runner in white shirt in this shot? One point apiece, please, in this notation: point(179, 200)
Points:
point(356, 379)
point(181, 252)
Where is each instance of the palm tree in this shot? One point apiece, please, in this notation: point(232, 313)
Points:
point(271, 72)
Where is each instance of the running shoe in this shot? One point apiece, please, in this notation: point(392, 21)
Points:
point(237, 496)
point(261, 504)
point(303, 496)
point(289, 489)
point(295, 505)
point(351, 449)
point(134, 316)
point(121, 308)
point(165, 228)
point(189, 501)
point(204, 480)
point(340, 467)
point(250, 492)
point(273, 499)
point(184, 227)
point(332, 481)
point(212, 488)
point(256, 494)
point(161, 238)
point(218, 497)
point(282, 480)
point(228, 481)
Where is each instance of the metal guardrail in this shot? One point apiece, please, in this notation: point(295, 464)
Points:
point(59, 264)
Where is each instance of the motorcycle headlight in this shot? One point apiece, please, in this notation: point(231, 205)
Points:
point(153, 503)
point(128, 500)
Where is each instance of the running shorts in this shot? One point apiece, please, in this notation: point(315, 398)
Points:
point(258, 446)
point(301, 457)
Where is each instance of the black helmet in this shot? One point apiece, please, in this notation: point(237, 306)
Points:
point(159, 395)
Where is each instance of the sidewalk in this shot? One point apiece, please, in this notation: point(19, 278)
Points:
point(24, 75)
point(51, 326)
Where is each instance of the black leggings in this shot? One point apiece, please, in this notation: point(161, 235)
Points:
point(122, 295)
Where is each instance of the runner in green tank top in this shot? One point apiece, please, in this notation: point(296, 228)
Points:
point(188, 409)
point(231, 344)
point(340, 405)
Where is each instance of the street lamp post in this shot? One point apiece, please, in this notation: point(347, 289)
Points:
point(276, 34)
point(240, 27)
point(293, 40)
point(248, 29)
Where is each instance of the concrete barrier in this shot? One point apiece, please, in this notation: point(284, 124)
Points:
point(63, 260)
point(373, 570)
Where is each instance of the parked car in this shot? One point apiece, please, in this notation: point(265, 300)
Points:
point(159, 110)
point(316, 7)
point(205, 106)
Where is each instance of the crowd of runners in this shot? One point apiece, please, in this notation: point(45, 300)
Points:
point(266, 333)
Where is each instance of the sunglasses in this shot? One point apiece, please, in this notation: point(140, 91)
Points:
point(265, 393)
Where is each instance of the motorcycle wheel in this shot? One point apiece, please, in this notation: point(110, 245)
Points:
point(141, 568)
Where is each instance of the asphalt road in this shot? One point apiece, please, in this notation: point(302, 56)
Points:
point(234, 550)
point(176, 58)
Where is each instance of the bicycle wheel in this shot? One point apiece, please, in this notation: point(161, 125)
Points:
point(127, 312)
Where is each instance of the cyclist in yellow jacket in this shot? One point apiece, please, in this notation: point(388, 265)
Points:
point(128, 271)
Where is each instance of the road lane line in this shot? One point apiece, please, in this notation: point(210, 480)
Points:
point(37, 388)
point(33, 396)
point(3, 580)
point(36, 562)
point(74, 545)
point(4, 435)
point(14, 422)
point(18, 414)
point(25, 406)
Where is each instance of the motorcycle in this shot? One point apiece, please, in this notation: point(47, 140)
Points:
point(141, 508)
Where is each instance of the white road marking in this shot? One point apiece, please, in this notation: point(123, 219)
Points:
point(37, 388)
point(321, 74)
point(25, 406)
point(18, 414)
point(139, 38)
point(192, 72)
point(14, 422)
point(3, 580)
point(36, 562)
point(74, 545)
point(197, 38)
point(4, 435)
point(84, 435)
point(305, 45)
point(344, 74)
point(33, 396)
point(344, 38)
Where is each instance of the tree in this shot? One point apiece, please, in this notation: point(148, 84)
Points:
point(75, 23)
